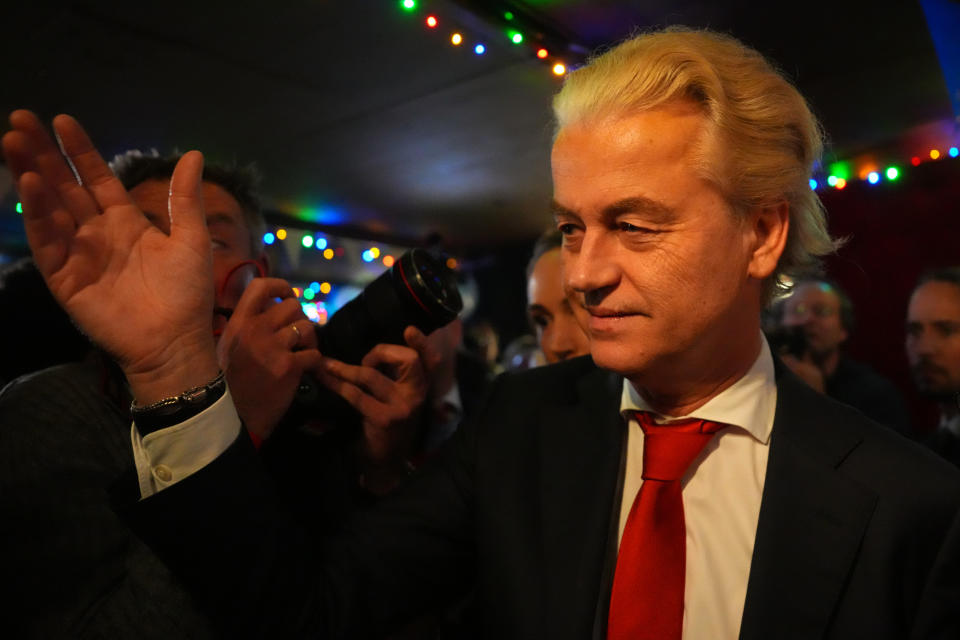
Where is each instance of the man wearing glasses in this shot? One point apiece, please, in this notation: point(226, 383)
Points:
point(822, 313)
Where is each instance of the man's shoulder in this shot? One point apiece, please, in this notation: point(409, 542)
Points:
point(563, 381)
point(864, 450)
point(62, 399)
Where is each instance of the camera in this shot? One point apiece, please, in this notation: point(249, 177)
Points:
point(417, 290)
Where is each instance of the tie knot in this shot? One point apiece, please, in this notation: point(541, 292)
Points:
point(668, 449)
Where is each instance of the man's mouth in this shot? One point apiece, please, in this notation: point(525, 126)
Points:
point(603, 312)
point(928, 370)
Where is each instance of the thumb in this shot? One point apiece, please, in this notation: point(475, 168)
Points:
point(185, 204)
point(415, 339)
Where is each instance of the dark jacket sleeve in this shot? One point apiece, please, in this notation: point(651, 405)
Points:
point(226, 535)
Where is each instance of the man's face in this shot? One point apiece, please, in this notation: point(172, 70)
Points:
point(933, 338)
point(229, 234)
point(558, 333)
point(653, 255)
point(815, 307)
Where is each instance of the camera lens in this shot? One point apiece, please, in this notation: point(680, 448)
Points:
point(418, 290)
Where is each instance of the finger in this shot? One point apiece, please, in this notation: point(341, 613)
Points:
point(185, 206)
point(93, 172)
point(49, 228)
point(308, 334)
point(283, 313)
point(18, 153)
point(308, 360)
point(391, 356)
point(356, 397)
point(260, 293)
point(368, 379)
point(415, 339)
point(30, 148)
point(293, 334)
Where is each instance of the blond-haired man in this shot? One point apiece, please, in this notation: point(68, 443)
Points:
point(684, 487)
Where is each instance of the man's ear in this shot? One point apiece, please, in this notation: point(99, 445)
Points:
point(768, 232)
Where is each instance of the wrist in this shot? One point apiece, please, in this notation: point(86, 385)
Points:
point(185, 367)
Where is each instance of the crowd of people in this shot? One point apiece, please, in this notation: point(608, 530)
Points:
point(668, 470)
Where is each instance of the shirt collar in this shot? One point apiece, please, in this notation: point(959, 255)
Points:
point(749, 403)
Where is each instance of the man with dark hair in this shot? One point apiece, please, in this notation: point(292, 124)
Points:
point(933, 349)
point(66, 431)
point(823, 314)
point(678, 484)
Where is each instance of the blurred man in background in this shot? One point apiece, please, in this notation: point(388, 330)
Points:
point(933, 350)
point(823, 315)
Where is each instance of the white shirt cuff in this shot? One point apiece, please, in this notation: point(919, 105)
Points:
point(169, 455)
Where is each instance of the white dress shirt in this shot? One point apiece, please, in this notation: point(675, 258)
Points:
point(721, 496)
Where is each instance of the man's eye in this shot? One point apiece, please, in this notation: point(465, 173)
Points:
point(632, 228)
point(567, 228)
point(218, 244)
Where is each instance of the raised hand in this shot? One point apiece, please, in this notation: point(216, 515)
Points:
point(143, 296)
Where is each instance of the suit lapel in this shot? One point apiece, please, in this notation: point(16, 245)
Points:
point(812, 519)
point(581, 440)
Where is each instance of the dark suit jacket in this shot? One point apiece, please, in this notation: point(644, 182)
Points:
point(858, 534)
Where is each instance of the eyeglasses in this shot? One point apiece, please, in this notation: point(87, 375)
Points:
point(229, 291)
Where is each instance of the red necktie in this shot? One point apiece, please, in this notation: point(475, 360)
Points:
point(647, 598)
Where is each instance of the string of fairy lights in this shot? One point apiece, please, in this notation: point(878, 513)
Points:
point(839, 174)
point(459, 37)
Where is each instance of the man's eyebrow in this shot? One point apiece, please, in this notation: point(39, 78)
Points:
point(658, 211)
point(538, 308)
point(557, 210)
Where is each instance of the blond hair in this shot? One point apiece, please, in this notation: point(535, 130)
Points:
point(761, 140)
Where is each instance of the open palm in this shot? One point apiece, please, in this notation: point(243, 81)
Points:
point(144, 296)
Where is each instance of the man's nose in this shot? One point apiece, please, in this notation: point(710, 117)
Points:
point(592, 268)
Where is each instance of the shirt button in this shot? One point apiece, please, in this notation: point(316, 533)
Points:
point(163, 473)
